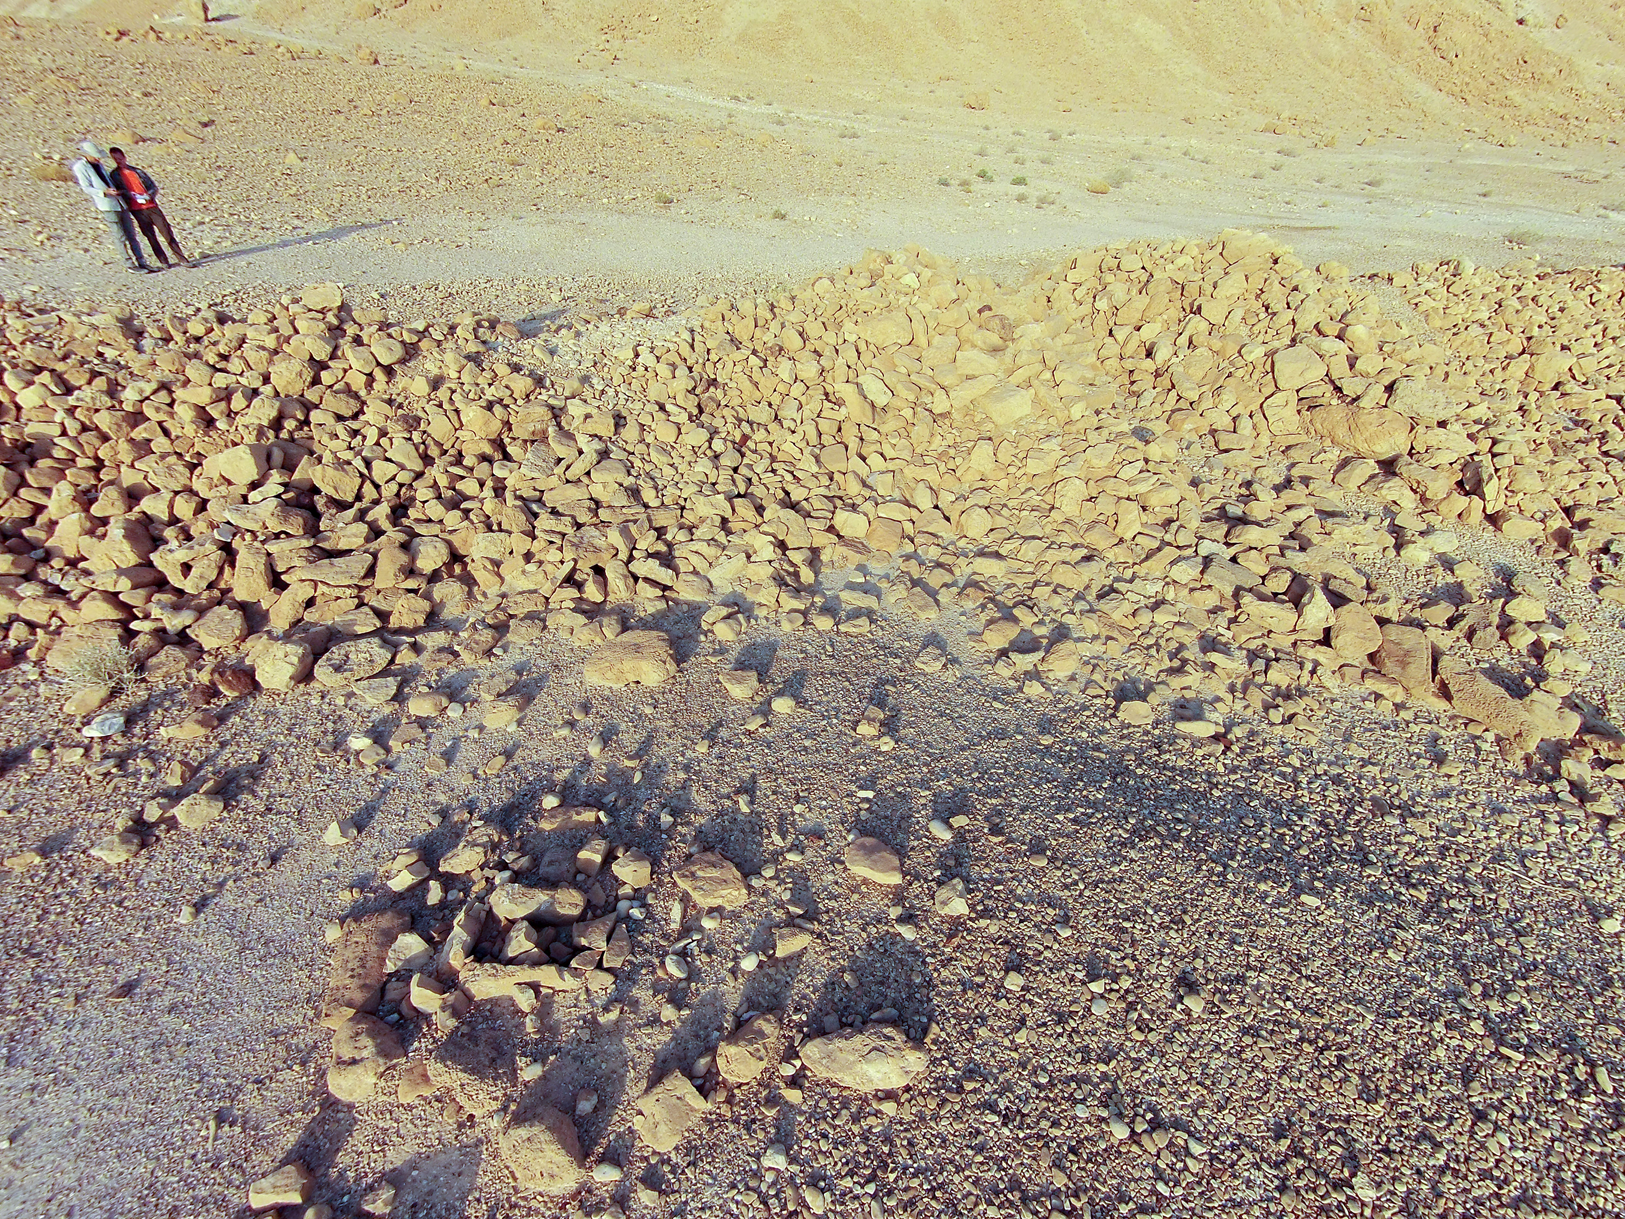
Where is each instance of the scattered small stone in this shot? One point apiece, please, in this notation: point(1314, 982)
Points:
point(110, 723)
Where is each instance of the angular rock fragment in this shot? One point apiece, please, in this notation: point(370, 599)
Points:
point(712, 882)
point(744, 1054)
point(666, 1111)
point(874, 860)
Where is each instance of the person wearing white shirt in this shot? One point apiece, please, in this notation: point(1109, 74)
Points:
point(94, 179)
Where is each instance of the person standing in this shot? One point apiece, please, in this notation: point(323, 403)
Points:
point(140, 194)
point(92, 176)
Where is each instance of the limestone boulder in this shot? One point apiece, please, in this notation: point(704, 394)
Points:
point(1375, 432)
point(283, 664)
point(353, 661)
point(357, 970)
point(712, 882)
point(666, 1111)
point(543, 1153)
point(744, 1054)
point(1406, 655)
point(1355, 633)
point(1296, 366)
point(878, 1058)
point(640, 658)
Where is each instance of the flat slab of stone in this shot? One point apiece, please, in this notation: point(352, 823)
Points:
point(287, 1186)
point(554, 906)
point(641, 658)
point(667, 1110)
point(488, 980)
point(874, 860)
point(712, 882)
point(878, 1058)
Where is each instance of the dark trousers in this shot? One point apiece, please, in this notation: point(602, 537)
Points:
point(122, 230)
point(155, 224)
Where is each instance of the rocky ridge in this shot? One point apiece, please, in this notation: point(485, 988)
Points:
point(1198, 474)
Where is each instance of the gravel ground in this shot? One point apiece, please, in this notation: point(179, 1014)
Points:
point(1339, 978)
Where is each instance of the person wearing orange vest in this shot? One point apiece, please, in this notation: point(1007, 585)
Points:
point(96, 181)
point(140, 195)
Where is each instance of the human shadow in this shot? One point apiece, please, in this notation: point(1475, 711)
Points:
point(338, 233)
point(891, 973)
point(594, 1059)
point(319, 1144)
point(437, 1184)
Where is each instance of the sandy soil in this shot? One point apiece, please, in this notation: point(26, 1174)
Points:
point(1409, 983)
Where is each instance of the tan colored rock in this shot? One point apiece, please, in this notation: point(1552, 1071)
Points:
point(242, 465)
point(744, 1054)
point(222, 627)
point(712, 882)
point(1296, 366)
point(633, 868)
point(666, 1111)
point(567, 817)
point(356, 973)
point(874, 860)
point(878, 1058)
point(1374, 432)
point(952, 900)
point(197, 810)
point(489, 980)
point(363, 1048)
point(291, 376)
point(556, 906)
point(1355, 633)
point(352, 661)
point(635, 658)
point(117, 849)
point(289, 1185)
point(342, 483)
point(543, 1152)
point(413, 1083)
point(1006, 404)
point(387, 351)
point(323, 297)
point(741, 684)
point(1474, 696)
point(282, 664)
point(1407, 657)
point(789, 941)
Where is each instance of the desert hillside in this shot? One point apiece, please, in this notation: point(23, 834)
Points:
point(1338, 63)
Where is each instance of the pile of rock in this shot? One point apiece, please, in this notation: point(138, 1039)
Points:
point(1205, 459)
point(507, 921)
point(1193, 457)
